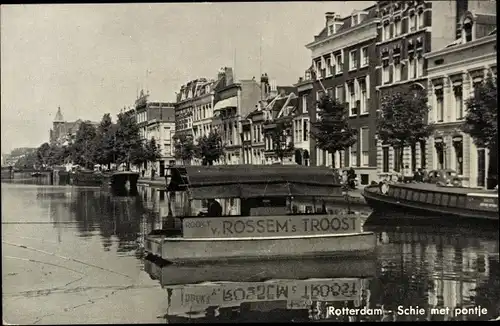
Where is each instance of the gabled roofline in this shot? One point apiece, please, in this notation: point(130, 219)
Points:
point(366, 24)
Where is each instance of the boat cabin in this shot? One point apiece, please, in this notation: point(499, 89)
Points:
point(248, 190)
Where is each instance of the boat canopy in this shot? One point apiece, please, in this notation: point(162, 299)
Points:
point(254, 181)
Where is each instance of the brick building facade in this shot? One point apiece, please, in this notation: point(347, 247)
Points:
point(343, 62)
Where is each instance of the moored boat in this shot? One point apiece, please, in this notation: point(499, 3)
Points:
point(434, 201)
point(259, 271)
point(267, 225)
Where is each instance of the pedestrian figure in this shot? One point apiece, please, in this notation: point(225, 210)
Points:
point(214, 208)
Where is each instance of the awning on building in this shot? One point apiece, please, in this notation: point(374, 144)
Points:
point(229, 102)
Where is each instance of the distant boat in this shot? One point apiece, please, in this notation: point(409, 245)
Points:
point(434, 201)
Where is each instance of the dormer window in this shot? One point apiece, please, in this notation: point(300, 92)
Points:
point(467, 30)
point(354, 20)
point(331, 29)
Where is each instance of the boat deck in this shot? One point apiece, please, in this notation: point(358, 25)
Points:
point(454, 190)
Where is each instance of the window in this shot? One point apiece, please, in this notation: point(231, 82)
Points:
point(397, 69)
point(397, 26)
point(304, 103)
point(467, 30)
point(421, 21)
point(319, 95)
point(352, 99)
point(354, 20)
point(364, 96)
point(364, 56)
point(353, 156)
point(385, 159)
point(331, 29)
point(365, 145)
point(440, 153)
point(397, 159)
point(459, 105)
point(420, 64)
point(439, 105)
point(386, 31)
point(411, 67)
point(413, 22)
point(331, 95)
point(305, 136)
point(459, 159)
point(353, 60)
point(329, 67)
point(339, 92)
point(338, 63)
point(385, 72)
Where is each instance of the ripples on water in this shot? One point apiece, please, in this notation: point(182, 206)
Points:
point(420, 266)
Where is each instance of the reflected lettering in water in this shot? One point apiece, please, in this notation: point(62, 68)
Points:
point(419, 266)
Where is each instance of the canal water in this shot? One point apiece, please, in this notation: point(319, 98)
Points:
point(74, 255)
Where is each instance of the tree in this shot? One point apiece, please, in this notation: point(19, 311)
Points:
point(83, 149)
point(105, 141)
point(481, 122)
point(332, 131)
point(29, 160)
point(128, 143)
point(152, 151)
point(43, 154)
point(209, 148)
point(184, 148)
point(402, 121)
point(282, 145)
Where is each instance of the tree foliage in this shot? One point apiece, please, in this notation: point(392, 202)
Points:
point(43, 154)
point(482, 114)
point(280, 138)
point(83, 149)
point(105, 141)
point(184, 148)
point(332, 131)
point(209, 148)
point(152, 151)
point(402, 120)
point(481, 122)
point(28, 161)
point(129, 147)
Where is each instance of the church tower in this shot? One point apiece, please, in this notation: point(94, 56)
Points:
point(57, 124)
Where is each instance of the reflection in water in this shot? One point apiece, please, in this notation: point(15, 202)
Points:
point(415, 265)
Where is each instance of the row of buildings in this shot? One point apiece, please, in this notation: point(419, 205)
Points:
point(156, 119)
point(444, 47)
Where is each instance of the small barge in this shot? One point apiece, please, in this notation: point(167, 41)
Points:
point(258, 271)
point(433, 201)
point(266, 225)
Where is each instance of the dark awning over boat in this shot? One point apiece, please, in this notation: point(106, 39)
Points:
point(247, 181)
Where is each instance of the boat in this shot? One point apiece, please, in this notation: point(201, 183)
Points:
point(293, 286)
point(266, 223)
point(252, 271)
point(430, 201)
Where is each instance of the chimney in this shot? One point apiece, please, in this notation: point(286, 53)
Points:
point(229, 75)
point(264, 86)
point(329, 16)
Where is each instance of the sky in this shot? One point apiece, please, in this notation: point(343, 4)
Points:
point(91, 59)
